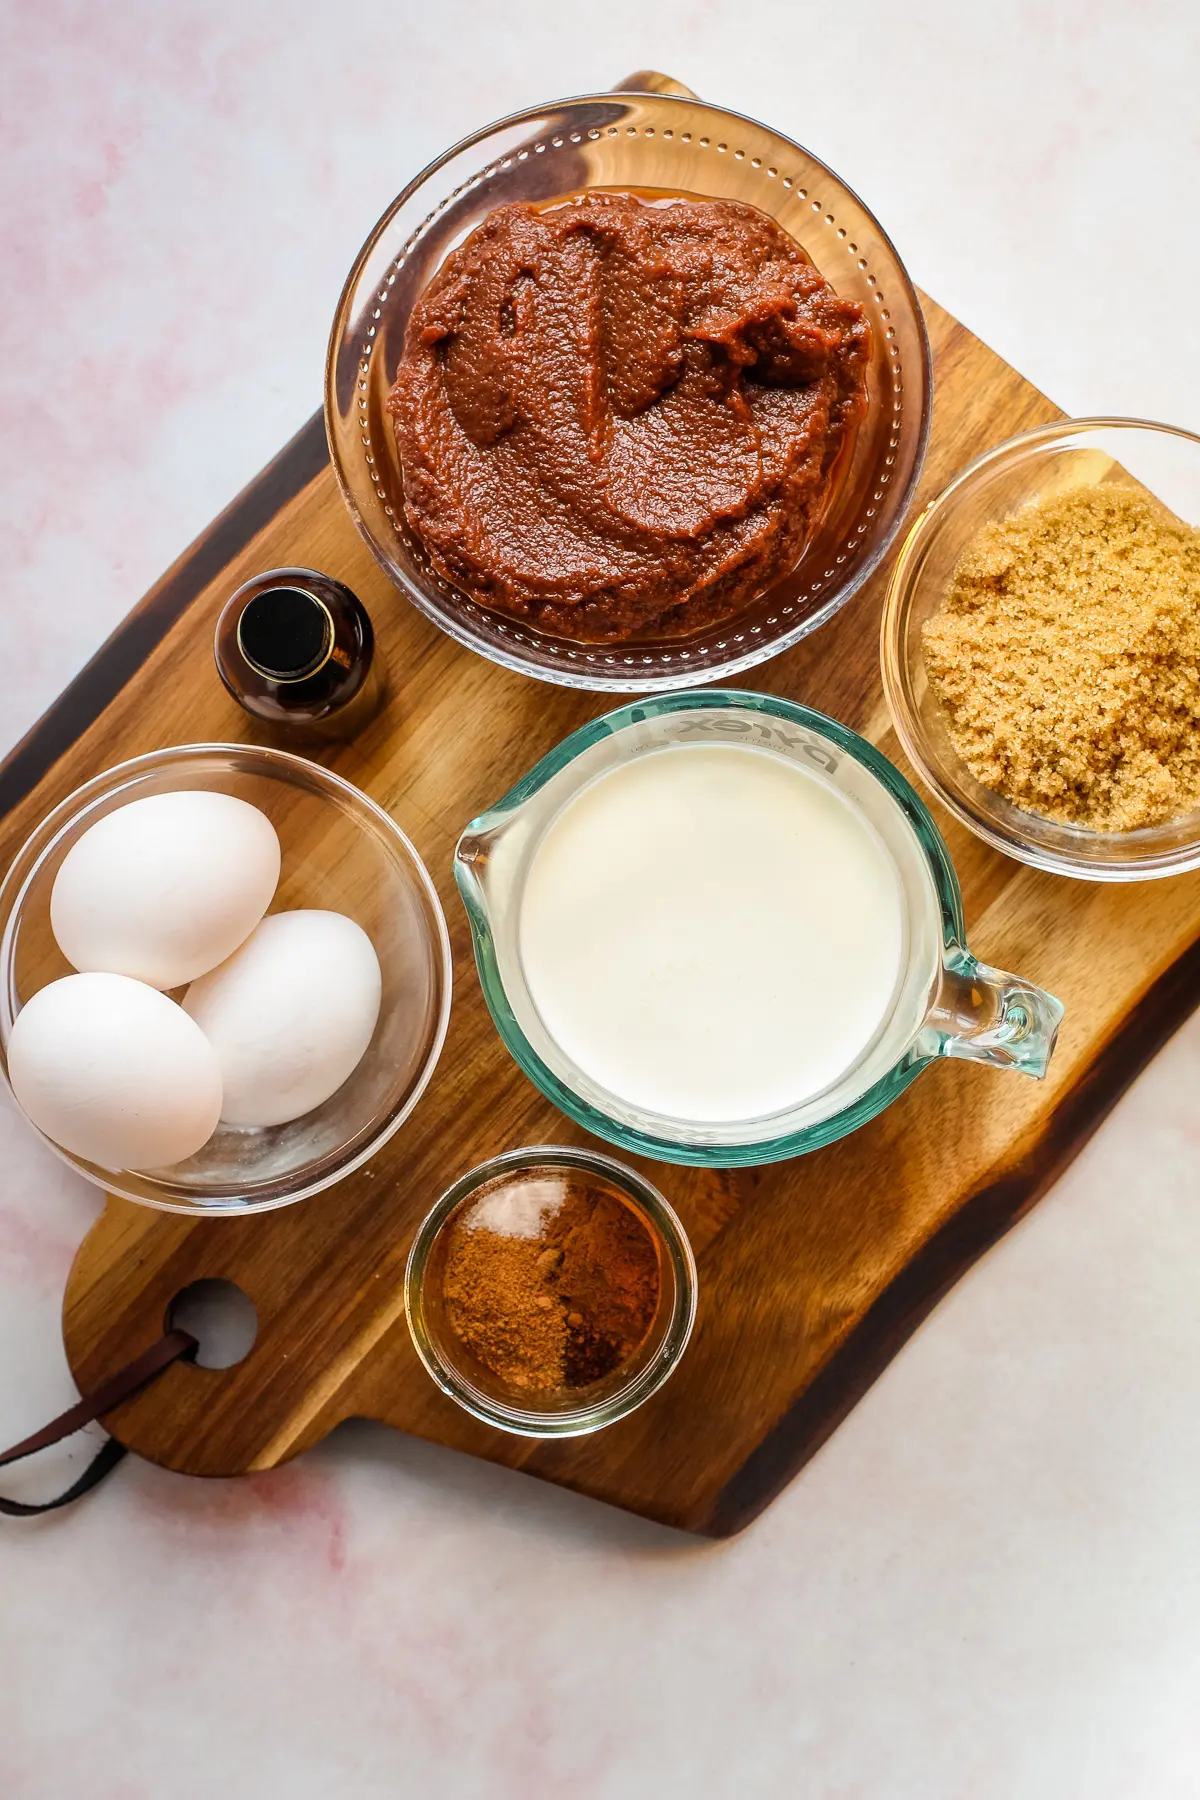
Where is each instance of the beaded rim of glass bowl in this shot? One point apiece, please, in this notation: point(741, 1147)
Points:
point(506, 628)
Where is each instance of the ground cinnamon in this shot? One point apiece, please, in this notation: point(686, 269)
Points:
point(551, 1280)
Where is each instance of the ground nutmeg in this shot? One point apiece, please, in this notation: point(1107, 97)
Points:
point(551, 1280)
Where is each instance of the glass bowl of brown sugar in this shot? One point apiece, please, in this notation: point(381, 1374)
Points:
point(1040, 648)
point(550, 1291)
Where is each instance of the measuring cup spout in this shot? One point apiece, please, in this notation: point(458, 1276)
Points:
point(985, 1015)
point(473, 872)
point(487, 858)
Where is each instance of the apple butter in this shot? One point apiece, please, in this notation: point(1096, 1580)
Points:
point(619, 417)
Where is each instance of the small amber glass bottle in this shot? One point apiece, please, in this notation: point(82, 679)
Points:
point(296, 649)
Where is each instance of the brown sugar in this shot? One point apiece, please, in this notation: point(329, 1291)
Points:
point(1067, 656)
point(551, 1282)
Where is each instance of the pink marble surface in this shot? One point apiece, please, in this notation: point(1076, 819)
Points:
point(988, 1584)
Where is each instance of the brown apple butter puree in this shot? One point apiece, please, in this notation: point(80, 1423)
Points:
point(620, 417)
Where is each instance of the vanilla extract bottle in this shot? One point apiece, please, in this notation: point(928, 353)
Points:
point(296, 649)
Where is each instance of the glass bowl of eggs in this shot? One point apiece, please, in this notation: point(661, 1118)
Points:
point(224, 979)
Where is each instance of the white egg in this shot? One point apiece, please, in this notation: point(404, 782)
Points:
point(166, 887)
point(289, 1015)
point(114, 1072)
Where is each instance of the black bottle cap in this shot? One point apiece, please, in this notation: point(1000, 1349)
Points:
point(285, 633)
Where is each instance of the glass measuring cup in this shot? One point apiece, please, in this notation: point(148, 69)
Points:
point(945, 1002)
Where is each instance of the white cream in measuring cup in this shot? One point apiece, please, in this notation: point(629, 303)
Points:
point(711, 932)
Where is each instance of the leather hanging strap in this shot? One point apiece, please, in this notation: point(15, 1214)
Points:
point(173, 1346)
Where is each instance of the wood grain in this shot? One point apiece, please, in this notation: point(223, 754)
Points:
point(812, 1273)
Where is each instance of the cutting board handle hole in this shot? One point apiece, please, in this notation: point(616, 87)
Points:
point(222, 1318)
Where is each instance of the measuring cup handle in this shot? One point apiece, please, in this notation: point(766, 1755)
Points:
point(987, 1016)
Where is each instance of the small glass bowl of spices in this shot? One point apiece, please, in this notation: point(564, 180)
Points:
point(550, 1291)
point(1041, 648)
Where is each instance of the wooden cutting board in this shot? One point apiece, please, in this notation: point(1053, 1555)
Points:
point(812, 1273)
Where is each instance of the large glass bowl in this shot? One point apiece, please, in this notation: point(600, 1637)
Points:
point(340, 852)
point(1050, 460)
point(627, 141)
